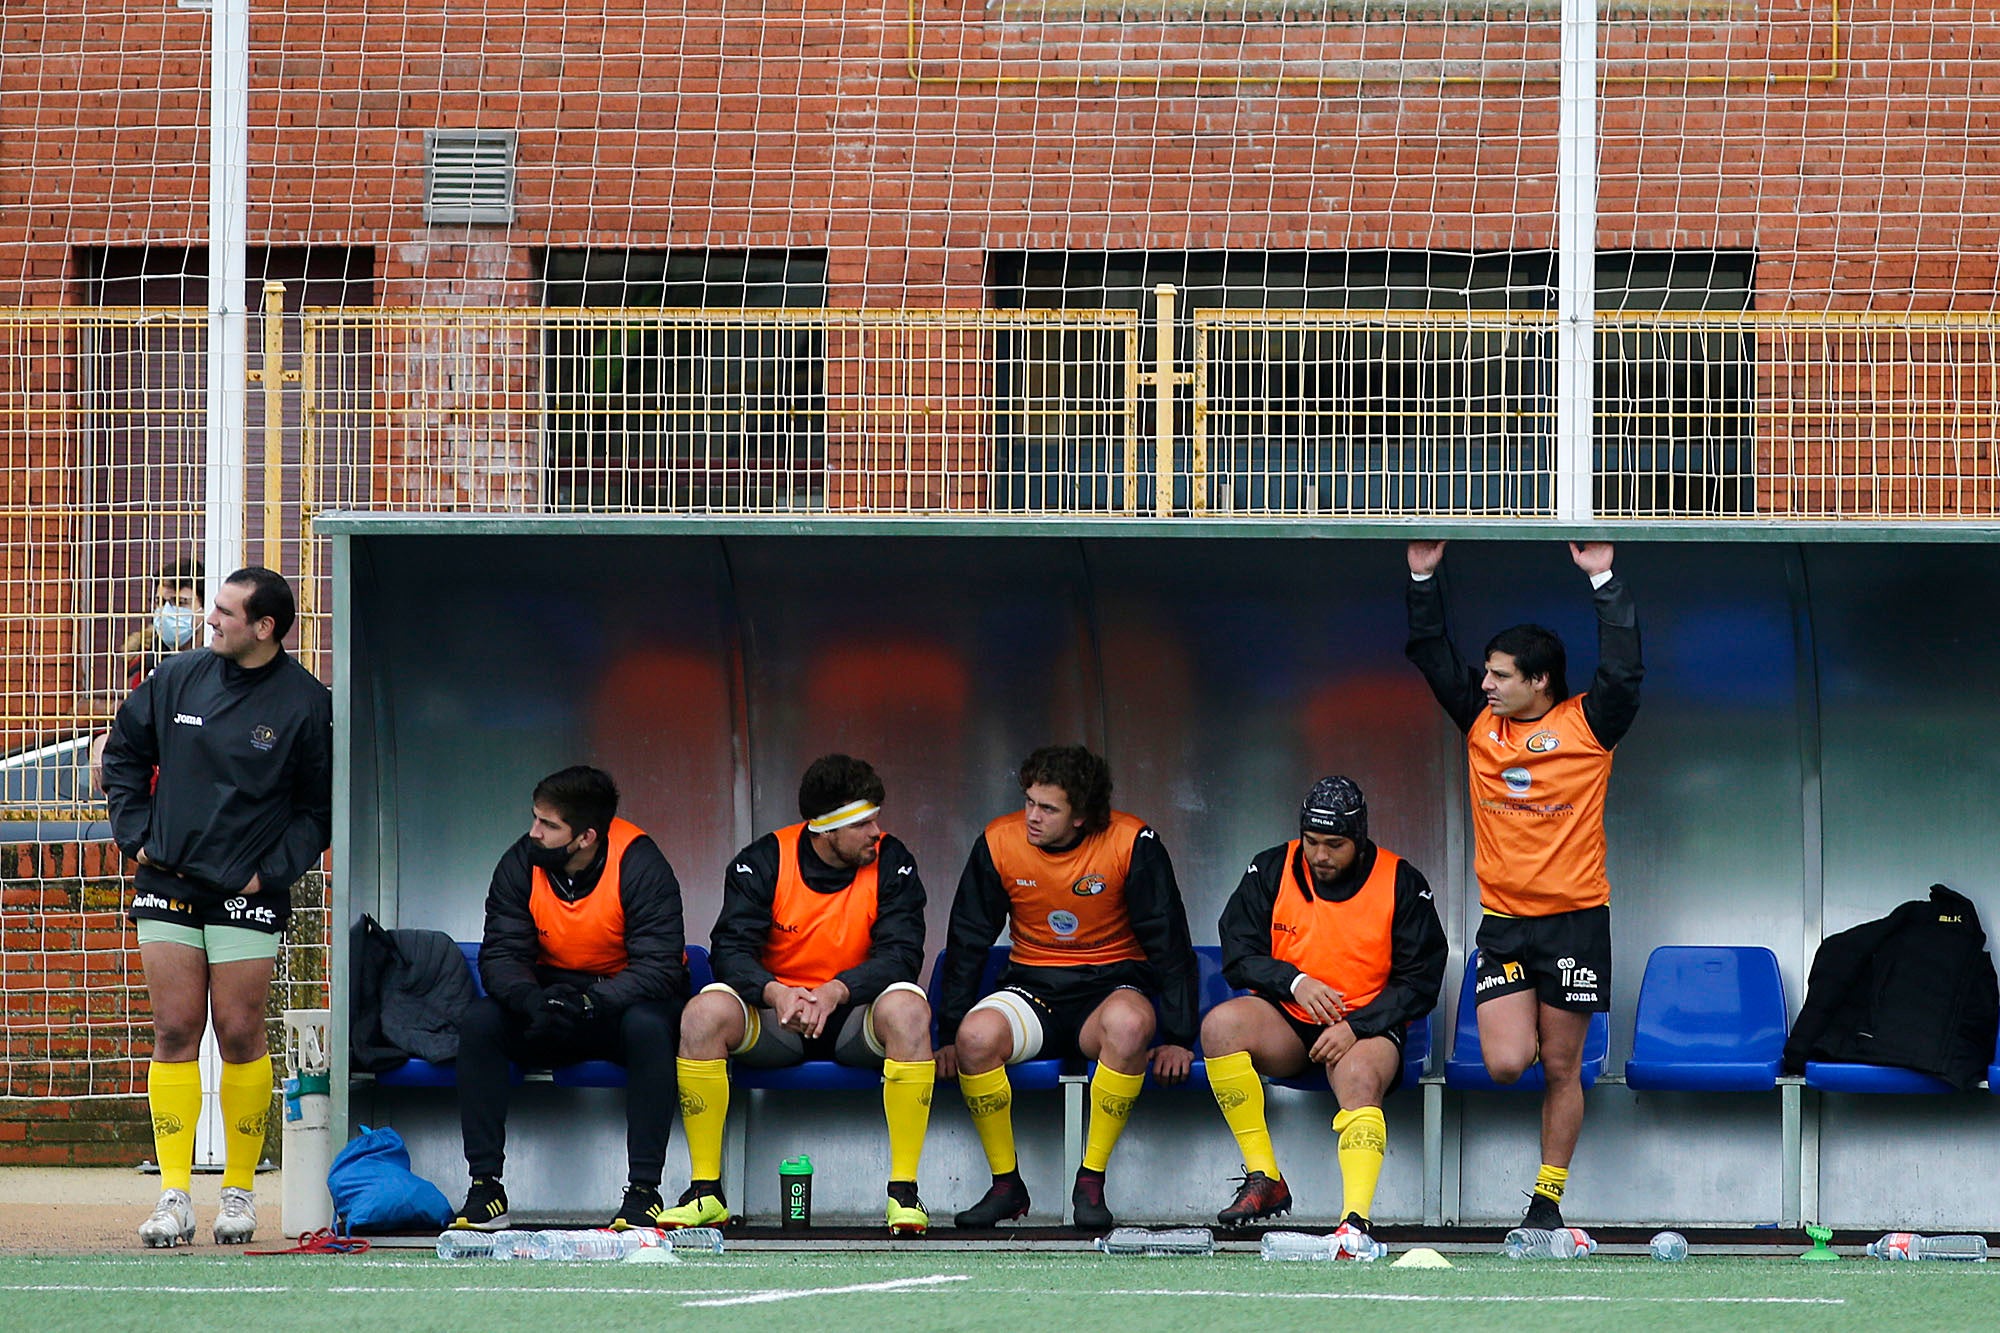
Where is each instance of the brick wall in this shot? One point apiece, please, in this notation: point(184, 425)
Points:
point(689, 128)
point(75, 1025)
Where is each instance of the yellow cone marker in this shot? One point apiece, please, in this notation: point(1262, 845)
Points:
point(1421, 1258)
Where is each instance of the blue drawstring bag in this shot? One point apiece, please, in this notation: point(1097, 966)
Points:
point(374, 1189)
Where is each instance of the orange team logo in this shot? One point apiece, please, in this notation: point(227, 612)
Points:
point(1542, 742)
point(1089, 886)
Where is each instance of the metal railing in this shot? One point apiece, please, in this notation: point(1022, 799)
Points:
point(1753, 417)
point(1744, 416)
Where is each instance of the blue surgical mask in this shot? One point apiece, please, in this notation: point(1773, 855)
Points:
point(175, 625)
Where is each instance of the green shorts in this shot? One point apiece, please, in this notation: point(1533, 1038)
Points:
point(222, 944)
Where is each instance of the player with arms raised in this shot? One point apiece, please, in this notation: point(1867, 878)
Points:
point(1539, 762)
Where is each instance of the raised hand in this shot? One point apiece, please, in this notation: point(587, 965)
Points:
point(1593, 558)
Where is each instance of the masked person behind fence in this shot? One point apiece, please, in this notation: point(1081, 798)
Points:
point(241, 736)
point(1339, 943)
point(582, 960)
point(816, 956)
point(1095, 915)
point(173, 625)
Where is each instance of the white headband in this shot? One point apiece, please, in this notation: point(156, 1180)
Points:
point(854, 812)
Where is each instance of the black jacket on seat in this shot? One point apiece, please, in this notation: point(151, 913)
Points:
point(1915, 989)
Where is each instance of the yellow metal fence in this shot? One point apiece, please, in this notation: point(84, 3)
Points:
point(1743, 416)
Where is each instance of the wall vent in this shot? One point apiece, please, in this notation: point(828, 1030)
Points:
point(469, 176)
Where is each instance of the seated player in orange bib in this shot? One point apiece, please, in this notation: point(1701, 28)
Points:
point(1339, 942)
point(1539, 764)
point(816, 956)
point(582, 960)
point(1089, 899)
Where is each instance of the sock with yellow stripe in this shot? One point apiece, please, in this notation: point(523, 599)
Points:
point(1111, 1098)
point(246, 1104)
point(1363, 1139)
point(990, 1099)
point(1551, 1181)
point(1240, 1093)
point(704, 1112)
point(173, 1093)
point(906, 1104)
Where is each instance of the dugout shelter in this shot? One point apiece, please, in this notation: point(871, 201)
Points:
point(1816, 745)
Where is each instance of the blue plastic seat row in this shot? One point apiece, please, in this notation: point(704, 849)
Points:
point(1710, 1018)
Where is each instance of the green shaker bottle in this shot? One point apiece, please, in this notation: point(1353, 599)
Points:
point(795, 1191)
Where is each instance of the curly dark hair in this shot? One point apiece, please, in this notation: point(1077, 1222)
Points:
point(1084, 777)
point(832, 780)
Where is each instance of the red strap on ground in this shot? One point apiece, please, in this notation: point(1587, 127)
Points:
point(323, 1241)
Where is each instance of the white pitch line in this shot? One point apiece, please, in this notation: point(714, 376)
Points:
point(95, 1288)
point(898, 1284)
point(1400, 1298)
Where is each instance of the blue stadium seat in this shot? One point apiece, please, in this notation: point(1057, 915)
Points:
point(583, 1074)
point(1840, 1076)
point(1711, 1018)
point(1465, 1069)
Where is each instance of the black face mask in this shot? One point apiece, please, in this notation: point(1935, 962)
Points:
point(548, 858)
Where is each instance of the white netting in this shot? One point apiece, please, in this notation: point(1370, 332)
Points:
point(908, 256)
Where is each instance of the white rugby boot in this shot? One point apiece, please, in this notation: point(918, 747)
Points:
point(236, 1220)
point(172, 1222)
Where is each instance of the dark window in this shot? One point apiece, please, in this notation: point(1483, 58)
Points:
point(1386, 419)
point(694, 409)
point(142, 392)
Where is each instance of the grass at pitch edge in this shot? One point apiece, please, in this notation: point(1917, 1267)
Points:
point(413, 1293)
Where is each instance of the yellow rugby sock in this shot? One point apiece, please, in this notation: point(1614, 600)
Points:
point(906, 1105)
point(173, 1093)
point(1551, 1181)
point(1111, 1098)
point(1364, 1137)
point(246, 1104)
point(704, 1112)
point(1240, 1093)
point(990, 1099)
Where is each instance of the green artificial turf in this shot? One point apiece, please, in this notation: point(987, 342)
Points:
point(410, 1291)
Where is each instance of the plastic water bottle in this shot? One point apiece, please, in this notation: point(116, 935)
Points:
point(1294, 1246)
point(507, 1245)
point(1534, 1243)
point(702, 1240)
point(474, 1244)
point(1670, 1247)
point(706, 1240)
point(602, 1245)
point(1908, 1245)
point(575, 1246)
point(1167, 1242)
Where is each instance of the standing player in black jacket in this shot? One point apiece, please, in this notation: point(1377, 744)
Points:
point(241, 739)
point(583, 960)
